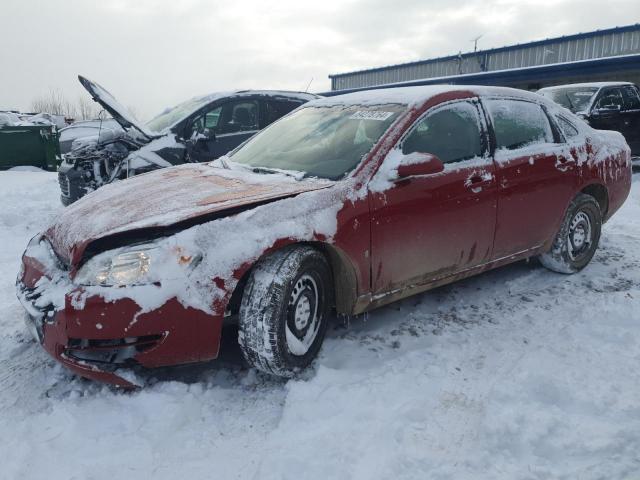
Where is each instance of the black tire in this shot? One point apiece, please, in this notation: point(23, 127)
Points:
point(577, 241)
point(282, 290)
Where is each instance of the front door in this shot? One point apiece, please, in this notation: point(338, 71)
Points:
point(428, 227)
point(218, 131)
point(606, 111)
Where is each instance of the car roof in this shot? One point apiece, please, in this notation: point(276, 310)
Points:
point(267, 93)
point(418, 95)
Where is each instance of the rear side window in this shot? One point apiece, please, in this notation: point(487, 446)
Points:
point(567, 128)
point(452, 133)
point(276, 109)
point(631, 99)
point(518, 124)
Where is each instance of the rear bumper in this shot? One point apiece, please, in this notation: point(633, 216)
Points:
point(100, 338)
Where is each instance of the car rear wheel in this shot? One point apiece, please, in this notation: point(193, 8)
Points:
point(577, 241)
point(284, 310)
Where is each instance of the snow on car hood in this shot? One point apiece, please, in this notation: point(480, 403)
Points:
point(111, 105)
point(164, 198)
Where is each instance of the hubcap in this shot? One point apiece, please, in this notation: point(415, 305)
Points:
point(580, 231)
point(303, 315)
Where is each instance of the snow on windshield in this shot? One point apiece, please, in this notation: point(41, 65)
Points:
point(574, 99)
point(325, 142)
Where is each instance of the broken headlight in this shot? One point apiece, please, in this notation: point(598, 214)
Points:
point(137, 265)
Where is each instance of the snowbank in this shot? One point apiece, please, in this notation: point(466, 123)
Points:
point(517, 373)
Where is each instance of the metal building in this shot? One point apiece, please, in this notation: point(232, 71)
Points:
point(611, 54)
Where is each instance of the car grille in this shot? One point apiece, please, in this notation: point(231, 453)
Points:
point(117, 351)
point(63, 180)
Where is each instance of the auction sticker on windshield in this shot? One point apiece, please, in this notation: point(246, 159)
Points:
point(370, 115)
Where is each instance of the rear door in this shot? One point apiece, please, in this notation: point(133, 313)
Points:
point(535, 175)
point(428, 227)
point(630, 117)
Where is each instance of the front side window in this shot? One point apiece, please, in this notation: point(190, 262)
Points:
point(610, 99)
point(452, 133)
point(519, 124)
point(320, 141)
point(231, 117)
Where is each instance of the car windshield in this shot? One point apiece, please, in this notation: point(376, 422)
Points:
point(325, 142)
point(173, 114)
point(574, 98)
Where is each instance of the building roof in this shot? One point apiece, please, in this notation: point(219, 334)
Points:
point(577, 36)
point(529, 74)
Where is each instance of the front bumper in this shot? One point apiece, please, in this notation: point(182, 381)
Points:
point(73, 183)
point(100, 338)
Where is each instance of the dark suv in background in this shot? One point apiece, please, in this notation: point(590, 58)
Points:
point(605, 106)
point(198, 130)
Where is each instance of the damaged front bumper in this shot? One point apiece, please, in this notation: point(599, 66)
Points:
point(101, 340)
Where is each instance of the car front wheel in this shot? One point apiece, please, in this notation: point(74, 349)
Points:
point(577, 241)
point(284, 310)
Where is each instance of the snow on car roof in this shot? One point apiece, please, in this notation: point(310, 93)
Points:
point(586, 85)
point(232, 93)
point(416, 95)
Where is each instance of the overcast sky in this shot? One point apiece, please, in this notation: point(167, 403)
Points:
point(154, 53)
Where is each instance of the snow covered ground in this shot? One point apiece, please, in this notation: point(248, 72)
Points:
point(519, 373)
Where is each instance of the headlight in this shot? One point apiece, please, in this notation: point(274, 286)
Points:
point(136, 265)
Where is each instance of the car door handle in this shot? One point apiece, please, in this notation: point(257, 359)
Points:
point(477, 181)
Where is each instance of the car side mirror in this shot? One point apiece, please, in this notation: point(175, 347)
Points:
point(209, 134)
point(201, 139)
point(418, 163)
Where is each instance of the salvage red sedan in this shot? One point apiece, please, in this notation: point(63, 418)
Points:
point(344, 205)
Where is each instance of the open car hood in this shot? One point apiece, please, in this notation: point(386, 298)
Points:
point(185, 195)
point(117, 111)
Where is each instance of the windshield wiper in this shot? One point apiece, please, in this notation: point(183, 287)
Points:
point(223, 161)
point(289, 173)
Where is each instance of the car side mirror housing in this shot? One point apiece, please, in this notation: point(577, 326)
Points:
point(418, 163)
point(209, 134)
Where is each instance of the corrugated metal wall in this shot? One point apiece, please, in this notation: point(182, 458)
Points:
point(607, 43)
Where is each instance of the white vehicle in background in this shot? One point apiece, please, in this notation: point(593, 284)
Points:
point(99, 129)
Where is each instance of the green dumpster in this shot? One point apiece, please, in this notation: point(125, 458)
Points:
point(33, 145)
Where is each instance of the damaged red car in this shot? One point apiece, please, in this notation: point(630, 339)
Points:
point(344, 205)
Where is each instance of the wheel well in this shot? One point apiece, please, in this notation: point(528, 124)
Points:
point(599, 192)
point(345, 284)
